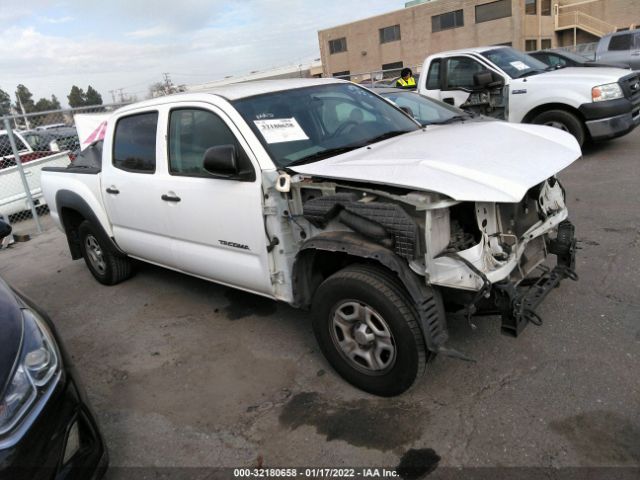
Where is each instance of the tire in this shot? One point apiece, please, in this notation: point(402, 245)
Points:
point(563, 120)
point(373, 293)
point(107, 266)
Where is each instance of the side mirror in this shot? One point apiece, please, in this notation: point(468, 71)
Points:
point(5, 229)
point(486, 79)
point(223, 162)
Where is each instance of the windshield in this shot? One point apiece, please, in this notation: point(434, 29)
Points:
point(514, 63)
point(425, 110)
point(312, 123)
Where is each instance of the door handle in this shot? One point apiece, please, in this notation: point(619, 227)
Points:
point(170, 198)
point(113, 190)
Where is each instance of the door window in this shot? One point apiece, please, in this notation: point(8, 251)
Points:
point(134, 143)
point(620, 42)
point(460, 72)
point(191, 132)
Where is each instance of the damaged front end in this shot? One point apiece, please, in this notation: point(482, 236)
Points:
point(495, 260)
point(479, 257)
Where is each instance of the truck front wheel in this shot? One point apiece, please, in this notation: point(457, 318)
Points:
point(563, 120)
point(367, 328)
point(107, 266)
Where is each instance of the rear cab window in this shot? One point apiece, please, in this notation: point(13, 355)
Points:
point(134, 143)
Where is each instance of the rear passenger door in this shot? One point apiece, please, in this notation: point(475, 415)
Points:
point(131, 191)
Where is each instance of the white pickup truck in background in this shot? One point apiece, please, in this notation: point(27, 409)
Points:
point(13, 196)
point(592, 104)
point(321, 194)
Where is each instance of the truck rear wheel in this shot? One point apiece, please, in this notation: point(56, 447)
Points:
point(367, 328)
point(107, 266)
point(563, 120)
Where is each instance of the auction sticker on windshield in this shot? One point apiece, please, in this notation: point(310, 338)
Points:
point(519, 65)
point(277, 130)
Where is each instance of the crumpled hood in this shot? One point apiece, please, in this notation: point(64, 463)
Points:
point(487, 161)
point(10, 333)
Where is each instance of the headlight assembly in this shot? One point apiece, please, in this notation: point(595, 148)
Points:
point(36, 374)
point(610, 91)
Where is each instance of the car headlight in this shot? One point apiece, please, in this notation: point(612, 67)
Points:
point(35, 376)
point(610, 91)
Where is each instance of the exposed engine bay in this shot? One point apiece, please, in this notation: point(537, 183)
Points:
point(475, 250)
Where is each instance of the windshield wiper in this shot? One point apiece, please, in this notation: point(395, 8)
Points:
point(455, 118)
point(384, 136)
point(531, 72)
point(314, 157)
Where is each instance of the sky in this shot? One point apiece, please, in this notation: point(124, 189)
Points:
point(51, 45)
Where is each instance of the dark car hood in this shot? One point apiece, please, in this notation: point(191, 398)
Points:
point(10, 333)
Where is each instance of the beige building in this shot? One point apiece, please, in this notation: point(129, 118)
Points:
point(405, 37)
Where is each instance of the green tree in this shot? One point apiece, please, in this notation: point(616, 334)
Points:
point(24, 96)
point(55, 103)
point(5, 103)
point(92, 97)
point(76, 97)
point(44, 104)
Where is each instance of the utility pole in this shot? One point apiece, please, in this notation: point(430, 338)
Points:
point(24, 114)
point(121, 94)
point(168, 85)
point(113, 95)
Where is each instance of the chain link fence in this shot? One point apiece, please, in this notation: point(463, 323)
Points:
point(32, 141)
point(379, 78)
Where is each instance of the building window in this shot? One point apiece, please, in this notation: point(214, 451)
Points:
point(447, 20)
point(545, 8)
point(493, 11)
point(390, 34)
point(344, 73)
point(545, 43)
point(530, 45)
point(338, 45)
point(392, 69)
point(530, 7)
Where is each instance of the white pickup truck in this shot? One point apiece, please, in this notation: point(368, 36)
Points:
point(321, 194)
point(592, 104)
point(13, 195)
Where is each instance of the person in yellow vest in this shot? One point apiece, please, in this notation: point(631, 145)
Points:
point(406, 79)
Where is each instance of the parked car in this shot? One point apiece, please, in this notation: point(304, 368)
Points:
point(425, 110)
point(620, 47)
point(596, 104)
point(562, 58)
point(53, 139)
point(13, 195)
point(321, 194)
point(47, 427)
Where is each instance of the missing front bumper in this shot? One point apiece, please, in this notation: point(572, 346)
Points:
point(518, 305)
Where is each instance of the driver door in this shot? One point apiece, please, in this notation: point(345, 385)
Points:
point(457, 81)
